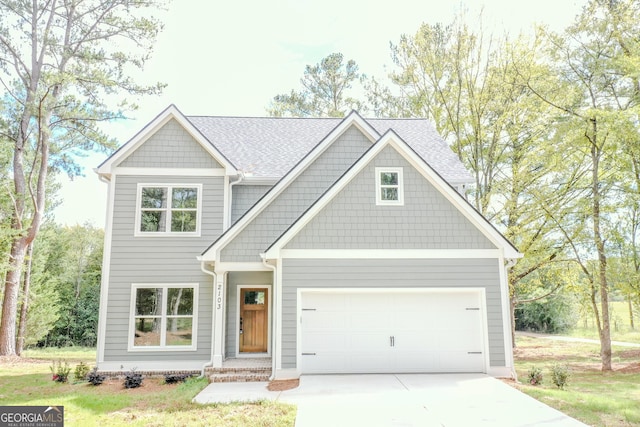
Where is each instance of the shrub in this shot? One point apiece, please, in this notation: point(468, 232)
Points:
point(60, 372)
point(535, 376)
point(175, 378)
point(94, 377)
point(560, 375)
point(550, 315)
point(81, 371)
point(132, 379)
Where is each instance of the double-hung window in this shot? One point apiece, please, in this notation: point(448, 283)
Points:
point(389, 186)
point(168, 209)
point(163, 317)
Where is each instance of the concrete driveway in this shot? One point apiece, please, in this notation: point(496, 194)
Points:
point(400, 400)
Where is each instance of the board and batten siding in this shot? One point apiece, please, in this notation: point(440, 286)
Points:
point(161, 260)
point(245, 196)
point(170, 147)
point(391, 273)
point(297, 197)
point(426, 220)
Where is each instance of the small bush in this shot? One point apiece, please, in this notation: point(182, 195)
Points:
point(175, 378)
point(60, 372)
point(560, 375)
point(81, 371)
point(132, 379)
point(535, 376)
point(94, 377)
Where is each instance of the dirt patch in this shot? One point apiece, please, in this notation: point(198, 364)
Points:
point(631, 368)
point(116, 385)
point(282, 385)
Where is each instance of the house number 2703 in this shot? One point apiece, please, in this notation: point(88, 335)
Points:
point(219, 296)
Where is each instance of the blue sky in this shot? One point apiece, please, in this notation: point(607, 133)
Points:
point(231, 58)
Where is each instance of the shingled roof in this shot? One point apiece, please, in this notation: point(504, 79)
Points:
point(268, 147)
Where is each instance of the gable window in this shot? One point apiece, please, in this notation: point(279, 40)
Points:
point(168, 209)
point(163, 317)
point(389, 186)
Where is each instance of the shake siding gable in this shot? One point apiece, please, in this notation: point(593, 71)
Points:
point(274, 219)
point(170, 147)
point(245, 196)
point(426, 220)
point(158, 260)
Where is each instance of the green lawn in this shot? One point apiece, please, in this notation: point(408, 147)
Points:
point(593, 397)
point(29, 382)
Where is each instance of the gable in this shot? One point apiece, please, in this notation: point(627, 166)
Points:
point(171, 146)
point(288, 205)
point(353, 220)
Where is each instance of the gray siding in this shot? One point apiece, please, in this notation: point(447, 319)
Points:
point(413, 273)
point(235, 279)
point(245, 196)
point(170, 147)
point(158, 260)
point(352, 220)
point(295, 199)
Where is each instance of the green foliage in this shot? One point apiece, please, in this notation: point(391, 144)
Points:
point(549, 315)
point(60, 371)
point(325, 87)
point(560, 375)
point(73, 268)
point(534, 376)
point(80, 372)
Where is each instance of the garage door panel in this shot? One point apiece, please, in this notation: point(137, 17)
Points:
point(324, 320)
point(404, 331)
point(328, 341)
point(460, 361)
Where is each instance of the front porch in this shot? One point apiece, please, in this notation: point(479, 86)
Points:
point(243, 369)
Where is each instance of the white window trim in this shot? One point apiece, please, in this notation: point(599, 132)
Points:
point(400, 186)
point(168, 233)
point(163, 325)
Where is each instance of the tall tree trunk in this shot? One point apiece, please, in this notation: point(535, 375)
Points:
point(630, 312)
point(605, 330)
point(10, 300)
point(24, 309)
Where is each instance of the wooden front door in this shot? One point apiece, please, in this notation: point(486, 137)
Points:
point(254, 320)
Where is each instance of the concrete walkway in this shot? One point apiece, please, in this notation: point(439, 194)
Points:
point(574, 339)
point(443, 400)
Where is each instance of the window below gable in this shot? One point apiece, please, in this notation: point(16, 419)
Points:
point(168, 209)
point(389, 187)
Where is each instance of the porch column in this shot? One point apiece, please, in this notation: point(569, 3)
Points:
point(218, 320)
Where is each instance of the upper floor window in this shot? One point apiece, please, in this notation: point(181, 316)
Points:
point(169, 209)
point(389, 186)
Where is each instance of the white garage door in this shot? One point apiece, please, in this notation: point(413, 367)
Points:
point(396, 331)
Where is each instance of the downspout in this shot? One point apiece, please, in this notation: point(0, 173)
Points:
point(215, 278)
point(231, 184)
point(508, 264)
point(274, 332)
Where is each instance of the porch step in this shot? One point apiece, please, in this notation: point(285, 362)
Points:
point(235, 374)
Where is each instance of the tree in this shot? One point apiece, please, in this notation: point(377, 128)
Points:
point(60, 62)
point(472, 87)
point(324, 91)
point(597, 58)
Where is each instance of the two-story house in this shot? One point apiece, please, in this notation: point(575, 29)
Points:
point(323, 245)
